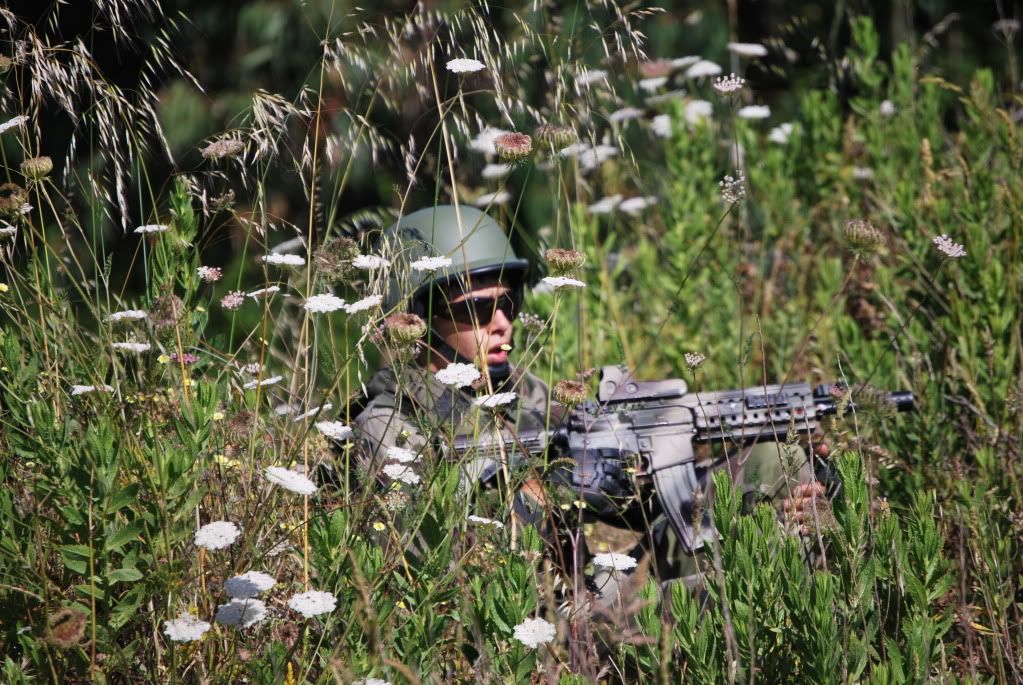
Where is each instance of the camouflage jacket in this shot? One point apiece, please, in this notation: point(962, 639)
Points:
point(407, 407)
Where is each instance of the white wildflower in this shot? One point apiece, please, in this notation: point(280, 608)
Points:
point(703, 68)
point(754, 112)
point(862, 173)
point(729, 85)
point(747, 49)
point(463, 65)
point(480, 520)
point(7, 230)
point(589, 157)
point(733, 189)
point(694, 360)
point(252, 368)
point(241, 612)
point(335, 430)
point(290, 480)
point(248, 584)
point(886, 109)
point(127, 315)
point(534, 632)
point(683, 62)
point(314, 412)
point(781, 134)
point(364, 304)
point(284, 259)
point(591, 76)
point(185, 628)
point(402, 455)
point(86, 389)
point(370, 262)
point(499, 197)
point(698, 110)
point(605, 205)
point(402, 473)
point(484, 142)
point(16, 122)
point(458, 375)
point(492, 171)
point(431, 263)
point(496, 400)
point(210, 274)
point(217, 535)
point(25, 209)
point(313, 603)
point(558, 282)
point(948, 247)
point(324, 304)
point(624, 114)
point(635, 205)
point(661, 126)
point(270, 290)
point(266, 381)
point(614, 561)
point(136, 347)
point(152, 228)
point(652, 84)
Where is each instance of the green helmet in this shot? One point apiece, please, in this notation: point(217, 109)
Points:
point(473, 241)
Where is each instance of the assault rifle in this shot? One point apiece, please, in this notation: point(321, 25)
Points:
point(657, 424)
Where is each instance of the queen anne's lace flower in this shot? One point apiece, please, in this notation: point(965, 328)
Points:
point(270, 290)
point(483, 521)
point(290, 480)
point(747, 49)
point(431, 263)
point(185, 628)
point(496, 400)
point(232, 300)
point(266, 381)
point(703, 68)
point(457, 374)
point(241, 612)
point(729, 85)
point(85, 389)
point(402, 473)
point(127, 315)
point(948, 247)
point(661, 126)
point(605, 205)
point(694, 360)
point(754, 112)
point(313, 603)
point(558, 282)
point(370, 262)
point(284, 259)
point(614, 561)
point(335, 430)
point(136, 347)
point(217, 535)
point(492, 171)
point(651, 84)
point(499, 197)
point(698, 110)
point(248, 584)
point(372, 681)
point(624, 114)
point(314, 412)
point(733, 189)
point(780, 134)
point(364, 304)
point(323, 304)
point(465, 66)
point(152, 228)
point(534, 632)
point(635, 205)
point(401, 455)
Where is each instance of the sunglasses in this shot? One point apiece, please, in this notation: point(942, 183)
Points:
point(480, 310)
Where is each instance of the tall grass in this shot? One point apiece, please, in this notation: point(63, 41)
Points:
point(113, 459)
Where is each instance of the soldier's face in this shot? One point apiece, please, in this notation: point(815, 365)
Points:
point(477, 323)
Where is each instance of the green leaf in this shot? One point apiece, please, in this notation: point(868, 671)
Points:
point(123, 536)
point(124, 575)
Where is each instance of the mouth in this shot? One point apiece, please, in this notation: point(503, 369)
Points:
point(498, 354)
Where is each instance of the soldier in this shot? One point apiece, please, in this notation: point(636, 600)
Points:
point(469, 306)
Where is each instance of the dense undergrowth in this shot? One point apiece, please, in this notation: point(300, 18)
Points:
point(112, 459)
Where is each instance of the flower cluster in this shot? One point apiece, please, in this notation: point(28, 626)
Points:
point(431, 263)
point(458, 375)
point(614, 561)
point(233, 300)
point(290, 480)
point(733, 189)
point(217, 535)
point(694, 360)
point(248, 584)
point(335, 430)
point(126, 315)
point(152, 228)
point(564, 261)
point(185, 628)
point(284, 259)
point(570, 392)
point(729, 85)
point(323, 304)
point(313, 603)
point(948, 247)
point(534, 632)
point(401, 473)
point(241, 612)
point(496, 400)
point(862, 237)
point(370, 262)
point(558, 282)
point(465, 66)
point(210, 274)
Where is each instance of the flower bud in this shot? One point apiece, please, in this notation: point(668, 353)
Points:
point(513, 147)
point(555, 136)
point(36, 168)
point(564, 262)
point(570, 393)
point(404, 329)
point(863, 238)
